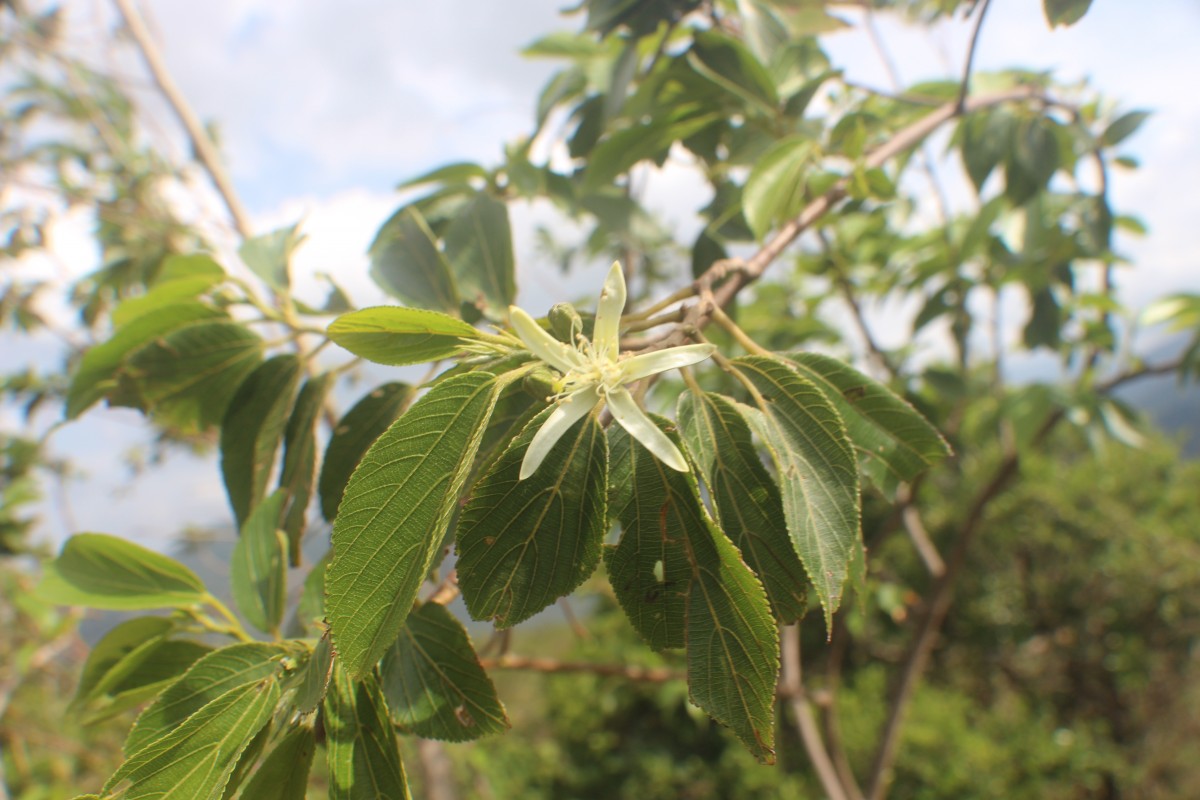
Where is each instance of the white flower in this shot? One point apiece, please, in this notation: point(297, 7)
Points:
point(595, 372)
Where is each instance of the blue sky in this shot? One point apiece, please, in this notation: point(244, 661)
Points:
point(323, 108)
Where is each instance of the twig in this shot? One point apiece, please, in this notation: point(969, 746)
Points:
point(202, 145)
point(943, 592)
point(553, 666)
point(735, 275)
point(965, 87)
point(915, 527)
point(793, 687)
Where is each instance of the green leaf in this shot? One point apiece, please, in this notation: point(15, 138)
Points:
point(463, 172)
point(775, 188)
point(182, 278)
point(252, 429)
point(188, 377)
point(311, 609)
point(1065, 12)
point(649, 567)
point(407, 264)
point(646, 140)
point(882, 426)
point(283, 774)
point(213, 676)
point(258, 567)
point(130, 664)
point(194, 760)
point(395, 512)
point(246, 761)
point(270, 256)
point(115, 647)
point(746, 500)
point(299, 471)
point(355, 432)
point(522, 544)
point(986, 139)
point(480, 250)
point(314, 680)
point(434, 684)
point(93, 377)
point(101, 571)
point(364, 761)
point(1123, 127)
point(731, 65)
point(815, 469)
point(397, 336)
point(732, 641)
point(143, 676)
point(1032, 160)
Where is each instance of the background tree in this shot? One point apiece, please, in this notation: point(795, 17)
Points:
point(816, 214)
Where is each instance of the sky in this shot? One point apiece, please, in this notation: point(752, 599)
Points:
point(323, 108)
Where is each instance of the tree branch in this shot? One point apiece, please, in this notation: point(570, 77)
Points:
point(792, 686)
point(202, 144)
point(939, 606)
point(964, 89)
point(551, 665)
point(720, 284)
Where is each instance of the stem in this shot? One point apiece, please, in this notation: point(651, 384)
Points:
point(202, 145)
point(749, 345)
point(234, 627)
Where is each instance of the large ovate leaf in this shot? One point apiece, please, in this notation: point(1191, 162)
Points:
point(182, 278)
point(815, 469)
point(1123, 127)
point(194, 760)
point(480, 250)
point(94, 376)
point(314, 678)
point(283, 774)
point(212, 676)
point(1065, 12)
point(101, 571)
point(434, 684)
point(407, 264)
point(355, 432)
point(187, 378)
point(645, 140)
point(775, 188)
point(397, 336)
point(395, 512)
point(746, 500)
point(258, 567)
point(299, 471)
point(732, 641)
point(649, 567)
point(522, 544)
point(130, 664)
point(733, 66)
point(896, 440)
point(364, 761)
point(252, 429)
point(269, 256)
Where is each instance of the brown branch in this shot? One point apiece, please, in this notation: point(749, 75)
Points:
point(720, 284)
point(202, 144)
point(554, 666)
point(792, 687)
point(965, 86)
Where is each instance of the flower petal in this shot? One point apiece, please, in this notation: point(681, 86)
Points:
point(626, 412)
point(605, 333)
point(569, 411)
point(640, 366)
point(542, 344)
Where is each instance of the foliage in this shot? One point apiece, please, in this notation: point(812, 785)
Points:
point(775, 488)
